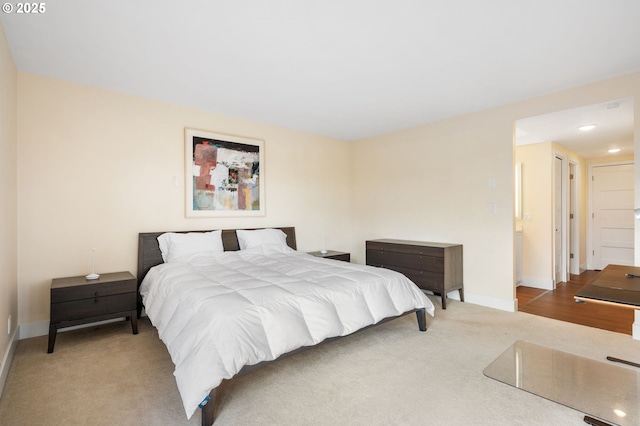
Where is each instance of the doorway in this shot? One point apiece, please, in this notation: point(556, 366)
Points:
point(557, 157)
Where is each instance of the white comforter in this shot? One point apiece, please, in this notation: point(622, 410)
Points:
point(218, 313)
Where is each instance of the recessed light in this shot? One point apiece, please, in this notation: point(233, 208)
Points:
point(587, 127)
point(613, 150)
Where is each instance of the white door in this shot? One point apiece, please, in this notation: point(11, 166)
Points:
point(612, 216)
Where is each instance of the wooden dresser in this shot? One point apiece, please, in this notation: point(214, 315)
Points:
point(436, 267)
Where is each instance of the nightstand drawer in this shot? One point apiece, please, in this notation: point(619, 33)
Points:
point(94, 307)
point(346, 257)
point(87, 291)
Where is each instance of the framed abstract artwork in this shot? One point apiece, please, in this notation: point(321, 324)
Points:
point(224, 175)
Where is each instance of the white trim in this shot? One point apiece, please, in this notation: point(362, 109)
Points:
point(454, 295)
point(564, 217)
point(7, 358)
point(491, 302)
point(34, 329)
point(574, 227)
point(635, 327)
point(543, 283)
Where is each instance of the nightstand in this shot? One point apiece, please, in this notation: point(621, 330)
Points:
point(77, 300)
point(331, 254)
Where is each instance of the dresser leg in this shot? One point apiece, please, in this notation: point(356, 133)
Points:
point(134, 322)
point(52, 337)
point(444, 300)
point(461, 292)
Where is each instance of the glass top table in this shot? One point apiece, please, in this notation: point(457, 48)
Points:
point(605, 391)
point(616, 284)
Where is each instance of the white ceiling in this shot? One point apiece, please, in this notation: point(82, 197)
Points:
point(347, 69)
point(614, 129)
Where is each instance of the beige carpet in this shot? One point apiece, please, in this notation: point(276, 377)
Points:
point(389, 375)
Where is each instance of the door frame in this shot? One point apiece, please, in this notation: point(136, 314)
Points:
point(590, 212)
point(564, 218)
point(574, 223)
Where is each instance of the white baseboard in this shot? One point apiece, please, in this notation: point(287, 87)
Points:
point(491, 302)
point(542, 283)
point(7, 358)
point(479, 299)
point(455, 294)
point(34, 329)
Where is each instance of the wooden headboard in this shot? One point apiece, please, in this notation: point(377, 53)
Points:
point(149, 250)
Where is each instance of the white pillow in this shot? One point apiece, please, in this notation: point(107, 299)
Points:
point(268, 240)
point(173, 246)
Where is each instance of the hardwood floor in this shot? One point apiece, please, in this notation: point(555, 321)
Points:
point(559, 304)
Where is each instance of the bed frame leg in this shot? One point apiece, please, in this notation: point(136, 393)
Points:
point(422, 319)
point(208, 410)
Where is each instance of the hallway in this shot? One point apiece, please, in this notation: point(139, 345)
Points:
point(559, 304)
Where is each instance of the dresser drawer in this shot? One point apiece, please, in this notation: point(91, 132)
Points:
point(390, 259)
point(405, 248)
point(94, 307)
point(424, 279)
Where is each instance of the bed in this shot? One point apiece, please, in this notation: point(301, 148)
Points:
point(225, 302)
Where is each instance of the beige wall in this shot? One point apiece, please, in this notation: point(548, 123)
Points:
point(537, 214)
point(8, 195)
point(435, 183)
point(432, 183)
point(97, 167)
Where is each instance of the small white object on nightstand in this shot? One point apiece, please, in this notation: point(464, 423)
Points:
point(324, 244)
point(93, 275)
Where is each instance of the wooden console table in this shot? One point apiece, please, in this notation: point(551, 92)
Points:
point(436, 267)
